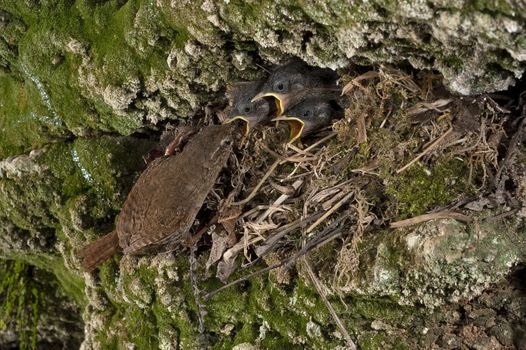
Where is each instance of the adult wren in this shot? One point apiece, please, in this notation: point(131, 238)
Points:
point(162, 205)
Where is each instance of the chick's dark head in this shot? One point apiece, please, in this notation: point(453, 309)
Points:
point(242, 108)
point(310, 115)
point(286, 82)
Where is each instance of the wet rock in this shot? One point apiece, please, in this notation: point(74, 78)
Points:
point(503, 332)
point(72, 73)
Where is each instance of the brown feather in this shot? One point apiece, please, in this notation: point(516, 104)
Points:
point(99, 251)
point(165, 200)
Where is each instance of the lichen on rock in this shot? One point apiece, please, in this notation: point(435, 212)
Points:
point(442, 261)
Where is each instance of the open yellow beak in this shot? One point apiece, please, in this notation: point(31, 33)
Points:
point(279, 98)
point(296, 126)
point(245, 120)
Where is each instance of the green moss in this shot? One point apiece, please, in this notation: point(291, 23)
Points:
point(380, 341)
point(495, 6)
point(124, 41)
point(105, 162)
point(374, 341)
point(19, 302)
point(416, 191)
point(108, 274)
point(141, 328)
point(60, 160)
point(384, 309)
point(276, 314)
point(80, 188)
point(71, 283)
point(25, 122)
point(247, 333)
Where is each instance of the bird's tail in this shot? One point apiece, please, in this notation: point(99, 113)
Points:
point(97, 252)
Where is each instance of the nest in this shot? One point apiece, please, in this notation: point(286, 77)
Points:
point(288, 198)
point(277, 202)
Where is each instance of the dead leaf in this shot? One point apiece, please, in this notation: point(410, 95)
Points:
point(361, 129)
point(228, 216)
point(219, 245)
point(427, 106)
point(355, 82)
point(225, 269)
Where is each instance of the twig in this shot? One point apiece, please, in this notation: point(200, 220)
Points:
point(257, 208)
point(511, 148)
point(424, 152)
point(278, 162)
point(258, 186)
point(295, 159)
point(271, 152)
point(241, 245)
point(432, 216)
point(306, 150)
point(332, 231)
point(274, 238)
point(329, 203)
point(355, 82)
point(192, 241)
point(318, 285)
point(296, 149)
point(426, 106)
point(502, 215)
point(318, 241)
point(279, 201)
point(329, 212)
point(243, 279)
point(201, 312)
point(328, 137)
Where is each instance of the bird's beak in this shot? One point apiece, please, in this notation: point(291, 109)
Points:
point(296, 126)
point(246, 123)
point(282, 100)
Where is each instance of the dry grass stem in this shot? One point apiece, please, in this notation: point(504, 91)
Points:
point(321, 291)
point(422, 107)
point(329, 213)
point(278, 234)
point(240, 246)
point(329, 203)
point(296, 185)
point(431, 216)
point(316, 242)
point(425, 151)
point(258, 186)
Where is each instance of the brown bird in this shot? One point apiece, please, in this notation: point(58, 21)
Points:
point(310, 115)
point(163, 203)
point(242, 108)
point(287, 84)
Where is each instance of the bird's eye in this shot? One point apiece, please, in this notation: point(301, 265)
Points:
point(226, 142)
point(247, 109)
point(280, 86)
point(306, 113)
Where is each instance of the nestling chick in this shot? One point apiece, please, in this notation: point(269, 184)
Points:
point(310, 115)
point(287, 83)
point(242, 108)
